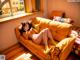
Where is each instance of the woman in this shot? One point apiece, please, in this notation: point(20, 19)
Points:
point(29, 32)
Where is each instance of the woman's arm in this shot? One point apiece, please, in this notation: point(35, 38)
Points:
point(33, 30)
point(25, 35)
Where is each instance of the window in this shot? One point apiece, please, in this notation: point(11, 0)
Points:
point(14, 7)
point(17, 6)
point(11, 7)
point(4, 8)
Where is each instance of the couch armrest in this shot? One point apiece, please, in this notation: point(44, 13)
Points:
point(34, 48)
point(65, 46)
point(17, 33)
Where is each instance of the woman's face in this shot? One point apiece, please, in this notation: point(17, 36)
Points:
point(26, 27)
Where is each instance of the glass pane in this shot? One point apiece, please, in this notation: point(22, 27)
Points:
point(4, 8)
point(17, 6)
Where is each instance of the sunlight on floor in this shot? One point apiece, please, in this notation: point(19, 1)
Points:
point(24, 56)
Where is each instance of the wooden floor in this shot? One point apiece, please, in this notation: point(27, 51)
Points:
point(15, 51)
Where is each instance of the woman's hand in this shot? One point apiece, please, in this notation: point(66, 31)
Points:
point(33, 29)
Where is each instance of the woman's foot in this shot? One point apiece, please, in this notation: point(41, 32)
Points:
point(48, 50)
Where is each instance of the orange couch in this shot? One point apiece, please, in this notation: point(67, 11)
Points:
point(60, 32)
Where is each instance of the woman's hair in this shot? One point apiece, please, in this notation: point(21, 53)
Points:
point(30, 26)
point(23, 25)
point(22, 29)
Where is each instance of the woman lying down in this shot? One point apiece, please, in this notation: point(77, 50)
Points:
point(29, 32)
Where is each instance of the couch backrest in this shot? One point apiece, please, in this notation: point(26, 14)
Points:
point(59, 30)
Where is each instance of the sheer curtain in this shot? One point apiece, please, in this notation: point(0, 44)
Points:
point(32, 5)
point(28, 6)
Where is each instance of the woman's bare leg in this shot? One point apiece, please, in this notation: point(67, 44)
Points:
point(45, 40)
point(45, 35)
point(50, 36)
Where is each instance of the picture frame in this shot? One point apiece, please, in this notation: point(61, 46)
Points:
point(74, 1)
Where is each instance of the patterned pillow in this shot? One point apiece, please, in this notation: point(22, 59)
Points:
point(55, 53)
point(57, 18)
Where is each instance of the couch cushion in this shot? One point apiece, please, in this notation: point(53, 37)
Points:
point(60, 30)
